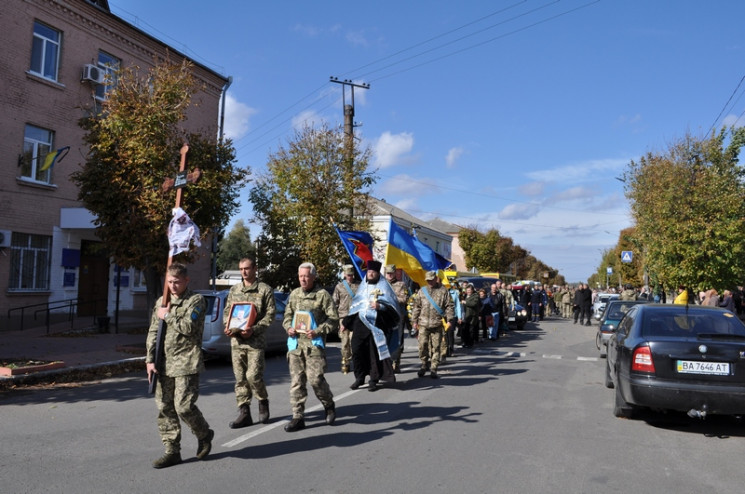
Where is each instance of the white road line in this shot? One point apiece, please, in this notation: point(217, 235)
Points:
point(588, 359)
point(555, 357)
point(245, 437)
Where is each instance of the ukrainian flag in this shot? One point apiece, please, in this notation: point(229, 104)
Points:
point(53, 156)
point(412, 255)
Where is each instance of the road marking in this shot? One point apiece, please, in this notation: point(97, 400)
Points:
point(245, 437)
point(555, 357)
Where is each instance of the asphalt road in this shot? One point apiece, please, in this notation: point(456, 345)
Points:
point(527, 414)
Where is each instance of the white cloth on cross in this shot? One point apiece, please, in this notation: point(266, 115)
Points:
point(181, 231)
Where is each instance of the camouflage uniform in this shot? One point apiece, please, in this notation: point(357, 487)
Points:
point(178, 378)
point(342, 300)
point(429, 324)
point(247, 354)
point(402, 295)
point(566, 303)
point(308, 362)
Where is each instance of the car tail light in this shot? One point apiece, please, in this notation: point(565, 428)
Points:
point(641, 360)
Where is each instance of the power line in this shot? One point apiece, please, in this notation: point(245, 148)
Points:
point(461, 38)
point(725, 106)
point(492, 196)
point(476, 45)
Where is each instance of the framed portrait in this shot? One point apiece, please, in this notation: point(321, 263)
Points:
point(242, 317)
point(302, 321)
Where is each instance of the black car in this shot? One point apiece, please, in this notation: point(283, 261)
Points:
point(687, 358)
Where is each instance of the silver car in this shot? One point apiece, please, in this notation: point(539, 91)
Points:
point(600, 302)
point(215, 343)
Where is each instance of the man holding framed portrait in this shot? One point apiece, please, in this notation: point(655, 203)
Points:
point(249, 310)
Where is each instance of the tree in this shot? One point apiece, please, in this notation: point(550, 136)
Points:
point(689, 208)
point(314, 180)
point(134, 146)
point(486, 252)
point(234, 247)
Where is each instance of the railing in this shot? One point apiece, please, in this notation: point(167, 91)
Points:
point(48, 307)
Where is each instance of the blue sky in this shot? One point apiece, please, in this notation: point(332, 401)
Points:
point(515, 115)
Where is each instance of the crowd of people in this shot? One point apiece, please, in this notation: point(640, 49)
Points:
point(370, 315)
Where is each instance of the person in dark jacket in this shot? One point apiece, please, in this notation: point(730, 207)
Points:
point(583, 302)
point(470, 330)
point(536, 302)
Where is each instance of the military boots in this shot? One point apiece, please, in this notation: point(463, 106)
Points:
point(264, 411)
point(167, 460)
point(244, 418)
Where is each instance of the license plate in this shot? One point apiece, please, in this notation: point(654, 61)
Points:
point(710, 368)
point(511, 319)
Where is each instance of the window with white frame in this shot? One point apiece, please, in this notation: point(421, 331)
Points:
point(109, 64)
point(45, 51)
point(138, 280)
point(30, 262)
point(37, 144)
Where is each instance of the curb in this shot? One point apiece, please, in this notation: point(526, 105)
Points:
point(80, 373)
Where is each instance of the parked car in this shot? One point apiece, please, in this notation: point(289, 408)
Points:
point(677, 357)
point(600, 302)
point(216, 343)
point(517, 317)
point(612, 315)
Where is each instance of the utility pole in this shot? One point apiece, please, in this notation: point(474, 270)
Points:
point(349, 124)
point(348, 109)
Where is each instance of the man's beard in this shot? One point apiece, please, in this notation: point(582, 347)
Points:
point(374, 280)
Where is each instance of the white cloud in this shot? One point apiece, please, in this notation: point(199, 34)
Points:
point(404, 185)
point(733, 120)
point(521, 211)
point(237, 118)
point(573, 194)
point(307, 118)
point(453, 155)
point(357, 38)
point(581, 172)
point(532, 189)
point(391, 149)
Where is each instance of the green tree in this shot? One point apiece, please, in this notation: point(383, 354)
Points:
point(234, 247)
point(487, 252)
point(316, 179)
point(134, 147)
point(689, 208)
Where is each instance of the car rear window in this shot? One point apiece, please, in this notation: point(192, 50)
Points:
point(617, 311)
point(691, 323)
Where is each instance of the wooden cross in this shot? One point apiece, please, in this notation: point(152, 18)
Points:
point(181, 180)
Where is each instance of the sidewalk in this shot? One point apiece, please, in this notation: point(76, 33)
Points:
point(83, 351)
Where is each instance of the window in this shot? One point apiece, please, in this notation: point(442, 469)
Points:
point(110, 66)
point(37, 144)
point(45, 51)
point(30, 260)
point(138, 280)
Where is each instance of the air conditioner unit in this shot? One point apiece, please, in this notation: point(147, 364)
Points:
point(93, 73)
point(5, 238)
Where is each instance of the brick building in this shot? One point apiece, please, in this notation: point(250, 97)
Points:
point(55, 54)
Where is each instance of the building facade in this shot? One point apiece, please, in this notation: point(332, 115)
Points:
point(55, 56)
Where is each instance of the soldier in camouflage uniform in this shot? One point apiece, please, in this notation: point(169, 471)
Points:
point(427, 320)
point(402, 295)
point(343, 295)
point(178, 375)
point(307, 348)
point(247, 346)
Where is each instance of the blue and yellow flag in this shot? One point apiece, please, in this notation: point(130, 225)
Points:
point(54, 156)
point(412, 255)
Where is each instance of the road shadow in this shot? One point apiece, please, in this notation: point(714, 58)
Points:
point(399, 417)
point(714, 426)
